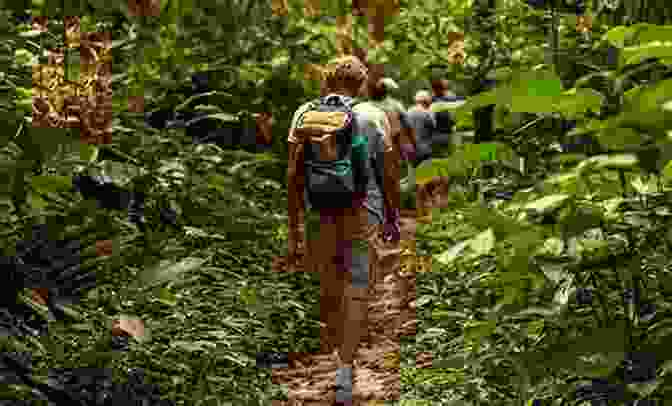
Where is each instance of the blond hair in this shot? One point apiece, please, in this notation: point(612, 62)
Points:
point(346, 72)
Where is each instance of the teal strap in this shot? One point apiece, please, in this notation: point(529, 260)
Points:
point(360, 147)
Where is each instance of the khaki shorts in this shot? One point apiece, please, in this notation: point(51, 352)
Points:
point(344, 242)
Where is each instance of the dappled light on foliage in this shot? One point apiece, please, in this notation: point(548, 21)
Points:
point(145, 233)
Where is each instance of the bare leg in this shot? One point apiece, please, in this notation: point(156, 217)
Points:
point(331, 303)
point(355, 306)
point(331, 286)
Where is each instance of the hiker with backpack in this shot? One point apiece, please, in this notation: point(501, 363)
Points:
point(382, 94)
point(341, 158)
point(443, 98)
point(421, 118)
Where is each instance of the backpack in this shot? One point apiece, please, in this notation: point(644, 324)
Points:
point(335, 156)
point(445, 122)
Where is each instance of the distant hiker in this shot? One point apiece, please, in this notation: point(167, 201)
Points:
point(421, 118)
point(443, 99)
point(423, 100)
point(402, 132)
point(340, 156)
point(382, 93)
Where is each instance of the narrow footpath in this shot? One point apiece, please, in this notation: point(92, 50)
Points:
point(310, 377)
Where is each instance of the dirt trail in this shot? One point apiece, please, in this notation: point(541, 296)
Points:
point(310, 377)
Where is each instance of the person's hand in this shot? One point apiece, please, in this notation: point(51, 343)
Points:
point(264, 124)
point(407, 152)
point(295, 252)
point(392, 228)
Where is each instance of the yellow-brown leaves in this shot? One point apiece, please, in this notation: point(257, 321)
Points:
point(584, 23)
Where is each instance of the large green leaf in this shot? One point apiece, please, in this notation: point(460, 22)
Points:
point(479, 100)
point(650, 97)
point(457, 165)
point(637, 54)
point(52, 183)
point(618, 36)
point(483, 243)
point(652, 33)
point(479, 245)
point(652, 122)
point(620, 139)
point(578, 101)
point(535, 92)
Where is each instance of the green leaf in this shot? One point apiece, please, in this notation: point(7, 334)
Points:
point(477, 101)
point(548, 204)
point(566, 159)
point(188, 102)
point(552, 247)
point(614, 161)
point(617, 36)
point(452, 253)
point(439, 107)
point(456, 361)
point(433, 168)
point(652, 33)
point(488, 151)
point(164, 273)
point(578, 102)
point(447, 314)
point(88, 152)
point(165, 296)
point(193, 346)
point(637, 54)
point(602, 340)
point(535, 92)
point(223, 117)
point(667, 173)
point(648, 97)
point(51, 183)
point(208, 108)
point(483, 243)
point(619, 139)
point(564, 291)
point(30, 34)
point(197, 232)
point(477, 330)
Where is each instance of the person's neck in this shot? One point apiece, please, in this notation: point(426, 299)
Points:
point(343, 92)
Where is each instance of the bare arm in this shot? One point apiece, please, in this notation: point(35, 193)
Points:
point(391, 162)
point(295, 186)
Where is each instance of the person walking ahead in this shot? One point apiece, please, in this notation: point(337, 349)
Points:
point(423, 101)
point(442, 99)
point(421, 118)
point(340, 155)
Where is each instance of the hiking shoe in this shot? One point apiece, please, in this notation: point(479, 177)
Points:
point(272, 360)
point(344, 386)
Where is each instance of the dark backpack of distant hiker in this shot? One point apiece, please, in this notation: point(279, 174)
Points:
point(445, 122)
point(335, 155)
